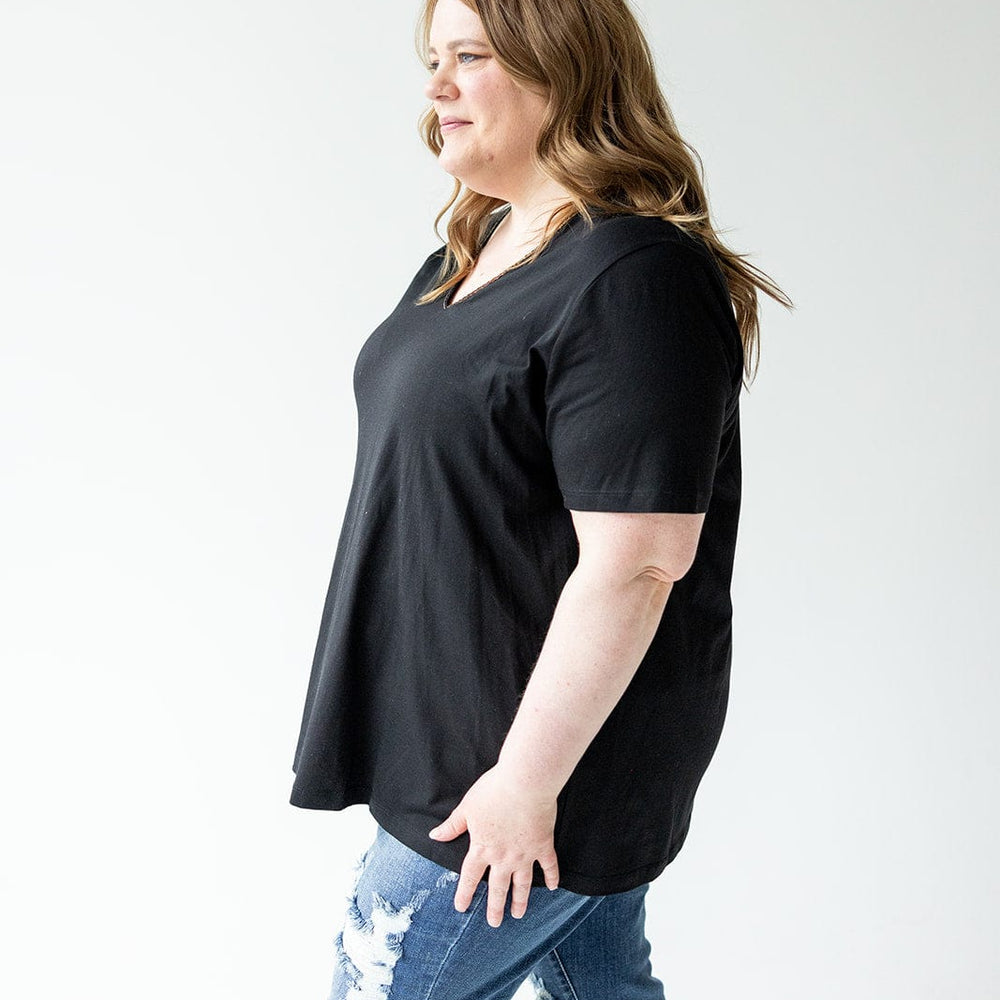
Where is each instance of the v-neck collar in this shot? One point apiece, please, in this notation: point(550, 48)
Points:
point(448, 300)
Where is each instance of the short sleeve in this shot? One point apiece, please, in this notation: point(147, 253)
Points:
point(640, 380)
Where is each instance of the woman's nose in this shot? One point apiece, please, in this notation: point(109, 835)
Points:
point(440, 84)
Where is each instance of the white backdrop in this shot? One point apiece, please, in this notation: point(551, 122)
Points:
point(205, 208)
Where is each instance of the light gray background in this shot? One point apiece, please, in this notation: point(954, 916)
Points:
point(205, 208)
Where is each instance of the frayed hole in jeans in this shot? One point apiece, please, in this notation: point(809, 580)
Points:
point(368, 950)
point(541, 993)
point(446, 879)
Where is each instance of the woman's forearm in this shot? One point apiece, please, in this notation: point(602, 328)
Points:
point(599, 633)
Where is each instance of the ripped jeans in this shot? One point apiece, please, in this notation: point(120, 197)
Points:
point(403, 939)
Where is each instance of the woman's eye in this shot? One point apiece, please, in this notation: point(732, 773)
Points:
point(461, 57)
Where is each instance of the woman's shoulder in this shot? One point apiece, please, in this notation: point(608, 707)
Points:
point(632, 263)
point(629, 241)
point(618, 234)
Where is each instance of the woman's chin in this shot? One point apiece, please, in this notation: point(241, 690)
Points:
point(450, 164)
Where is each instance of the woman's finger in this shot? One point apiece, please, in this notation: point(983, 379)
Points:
point(499, 883)
point(468, 880)
point(520, 890)
point(550, 868)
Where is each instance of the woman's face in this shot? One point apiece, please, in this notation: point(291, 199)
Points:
point(490, 151)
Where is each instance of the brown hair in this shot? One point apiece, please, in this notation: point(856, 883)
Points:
point(608, 137)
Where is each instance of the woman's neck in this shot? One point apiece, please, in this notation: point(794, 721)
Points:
point(527, 218)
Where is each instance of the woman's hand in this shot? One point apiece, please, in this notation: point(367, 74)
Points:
point(510, 827)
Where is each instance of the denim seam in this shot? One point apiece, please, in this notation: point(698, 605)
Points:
point(444, 961)
point(565, 974)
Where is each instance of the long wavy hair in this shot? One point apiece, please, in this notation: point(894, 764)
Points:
point(607, 136)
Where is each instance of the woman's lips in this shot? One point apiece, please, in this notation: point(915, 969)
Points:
point(451, 126)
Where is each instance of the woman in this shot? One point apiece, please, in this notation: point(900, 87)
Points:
point(523, 659)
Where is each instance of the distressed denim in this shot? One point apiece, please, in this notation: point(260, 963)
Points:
point(403, 939)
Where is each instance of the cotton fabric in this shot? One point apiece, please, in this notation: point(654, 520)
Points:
point(605, 375)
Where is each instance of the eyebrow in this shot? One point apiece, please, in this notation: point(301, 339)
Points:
point(462, 41)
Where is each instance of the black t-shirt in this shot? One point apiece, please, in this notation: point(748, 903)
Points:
point(605, 375)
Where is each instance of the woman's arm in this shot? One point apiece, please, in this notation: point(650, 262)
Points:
point(603, 623)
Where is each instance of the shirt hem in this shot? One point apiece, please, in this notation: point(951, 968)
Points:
point(443, 854)
point(629, 501)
